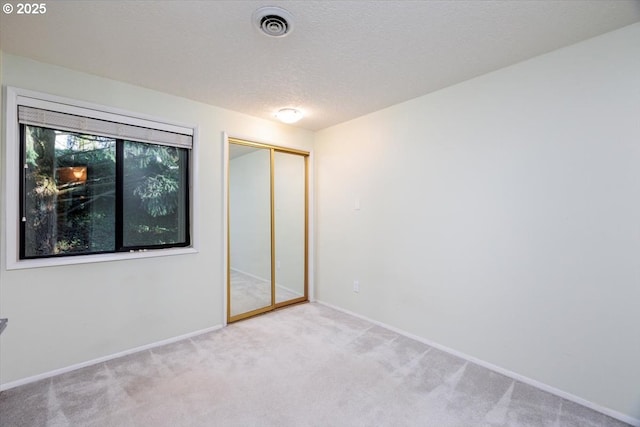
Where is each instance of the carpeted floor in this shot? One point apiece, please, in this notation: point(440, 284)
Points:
point(307, 365)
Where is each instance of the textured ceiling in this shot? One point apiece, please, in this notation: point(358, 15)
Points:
point(343, 59)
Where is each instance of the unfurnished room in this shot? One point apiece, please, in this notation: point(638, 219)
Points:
point(320, 213)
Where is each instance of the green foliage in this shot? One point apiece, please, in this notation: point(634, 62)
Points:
point(152, 196)
point(158, 194)
point(153, 174)
point(79, 216)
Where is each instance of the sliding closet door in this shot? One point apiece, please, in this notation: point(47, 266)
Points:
point(290, 183)
point(249, 229)
point(268, 228)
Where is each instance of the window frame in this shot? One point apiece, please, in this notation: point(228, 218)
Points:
point(11, 199)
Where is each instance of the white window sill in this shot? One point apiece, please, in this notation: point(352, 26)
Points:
point(86, 259)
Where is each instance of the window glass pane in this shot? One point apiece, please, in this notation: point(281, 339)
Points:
point(154, 195)
point(69, 193)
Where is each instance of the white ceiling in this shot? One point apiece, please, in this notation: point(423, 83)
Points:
point(343, 59)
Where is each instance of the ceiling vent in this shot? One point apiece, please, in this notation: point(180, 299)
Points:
point(273, 21)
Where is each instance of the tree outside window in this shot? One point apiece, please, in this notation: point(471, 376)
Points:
point(86, 194)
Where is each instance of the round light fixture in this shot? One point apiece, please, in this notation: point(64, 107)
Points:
point(273, 21)
point(289, 115)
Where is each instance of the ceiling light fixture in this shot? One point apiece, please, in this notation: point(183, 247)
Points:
point(289, 115)
point(273, 21)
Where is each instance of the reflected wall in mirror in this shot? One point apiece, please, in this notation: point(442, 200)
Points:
point(249, 228)
point(290, 225)
point(267, 223)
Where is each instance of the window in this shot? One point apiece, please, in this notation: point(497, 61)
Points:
point(94, 182)
point(154, 196)
point(69, 193)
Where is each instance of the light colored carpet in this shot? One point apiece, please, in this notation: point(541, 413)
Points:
point(307, 365)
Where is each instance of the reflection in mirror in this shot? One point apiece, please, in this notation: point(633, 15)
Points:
point(289, 198)
point(249, 228)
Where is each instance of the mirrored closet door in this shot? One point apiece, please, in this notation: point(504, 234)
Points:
point(267, 228)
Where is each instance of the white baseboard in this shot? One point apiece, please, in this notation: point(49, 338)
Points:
point(513, 375)
point(23, 381)
point(284, 288)
point(253, 276)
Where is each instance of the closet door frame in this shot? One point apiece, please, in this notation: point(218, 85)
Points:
point(274, 305)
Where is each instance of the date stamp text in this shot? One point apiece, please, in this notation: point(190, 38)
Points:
point(25, 8)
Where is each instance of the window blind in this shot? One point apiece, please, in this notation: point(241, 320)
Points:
point(88, 125)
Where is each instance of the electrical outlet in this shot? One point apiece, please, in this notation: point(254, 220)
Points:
point(356, 286)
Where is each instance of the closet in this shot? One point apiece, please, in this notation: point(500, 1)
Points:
point(267, 263)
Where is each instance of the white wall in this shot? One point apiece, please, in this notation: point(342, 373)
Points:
point(60, 316)
point(501, 218)
point(250, 214)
